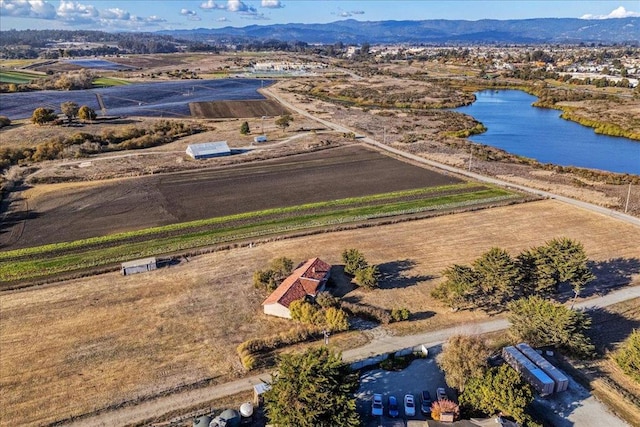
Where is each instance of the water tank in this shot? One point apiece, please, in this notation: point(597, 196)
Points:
point(202, 421)
point(228, 418)
point(246, 410)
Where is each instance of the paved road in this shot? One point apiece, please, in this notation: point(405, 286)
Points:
point(380, 344)
point(339, 128)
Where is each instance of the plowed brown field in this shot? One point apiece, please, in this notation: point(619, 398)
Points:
point(66, 212)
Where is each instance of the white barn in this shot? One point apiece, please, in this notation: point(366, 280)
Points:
point(207, 150)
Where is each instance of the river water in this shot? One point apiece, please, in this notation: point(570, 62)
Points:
point(515, 126)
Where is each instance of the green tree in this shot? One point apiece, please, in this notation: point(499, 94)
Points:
point(570, 260)
point(497, 276)
point(244, 128)
point(336, 319)
point(69, 109)
point(368, 277)
point(86, 113)
point(43, 115)
point(539, 275)
point(270, 278)
point(545, 323)
point(628, 356)
point(459, 288)
point(463, 357)
point(283, 121)
point(305, 312)
point(498, 390)
point(353, 260)
point(312, 389)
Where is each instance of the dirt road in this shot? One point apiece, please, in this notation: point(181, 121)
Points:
point(381, 344)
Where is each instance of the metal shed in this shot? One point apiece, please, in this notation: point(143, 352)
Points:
point(138, 266)
point(207, 150)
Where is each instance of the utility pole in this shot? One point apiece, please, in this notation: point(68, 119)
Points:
point(384, 135)
point(626, 206)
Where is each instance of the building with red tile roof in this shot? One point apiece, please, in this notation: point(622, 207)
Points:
point(307, 279)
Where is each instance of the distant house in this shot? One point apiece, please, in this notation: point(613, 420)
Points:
point(207, 150)
point(138, 266)
point(306, 280)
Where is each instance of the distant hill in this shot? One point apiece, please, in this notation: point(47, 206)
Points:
point(435, 31)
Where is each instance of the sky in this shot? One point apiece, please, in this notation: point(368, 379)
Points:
point(147, 15)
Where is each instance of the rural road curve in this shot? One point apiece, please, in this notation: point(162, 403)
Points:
point(382, 344)
point(339, 128)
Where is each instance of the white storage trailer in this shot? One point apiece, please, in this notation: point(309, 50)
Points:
point(138, 266)
point(561, 380)
point(529, 371)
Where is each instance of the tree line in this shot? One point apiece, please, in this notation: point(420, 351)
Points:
point(496, 278)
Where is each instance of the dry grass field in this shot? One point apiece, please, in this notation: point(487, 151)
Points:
point(81, 345)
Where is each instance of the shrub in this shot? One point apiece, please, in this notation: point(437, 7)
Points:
point(4, 121)
point(400, 314)
point(336, 319)
point(43, 115)
point(353, 261)
point(444, 406)
point(86, 113)
point(628, 356)
point(305, 312)
point(244, 128)
point(368, 312)
point(368, 277)
point(326, 299)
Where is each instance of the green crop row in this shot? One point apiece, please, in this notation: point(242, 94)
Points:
point(45, 266)
point(113, 238)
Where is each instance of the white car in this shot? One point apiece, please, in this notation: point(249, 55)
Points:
point(409, 406)
point(377, 408)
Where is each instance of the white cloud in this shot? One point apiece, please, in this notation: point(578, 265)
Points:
point(347, 13)
point(211, 4)
point(28, 9)
point(115, 13)
point(155, 18)
point(239, 6)
point(620, 12)
point(223, 19)
point(71, 11)
point(272, 4)
point(191, 15)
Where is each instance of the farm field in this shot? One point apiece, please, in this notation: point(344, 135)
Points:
point(72, 227)
point(18, 76)
point(110, 339)
point(66, 212)
point(168, 99)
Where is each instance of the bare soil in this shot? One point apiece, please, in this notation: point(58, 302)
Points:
point(236, 109)
point(85, 344)
point(66, 212)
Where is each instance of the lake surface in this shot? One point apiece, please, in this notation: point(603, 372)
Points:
point(515, 126)
point(162, 99)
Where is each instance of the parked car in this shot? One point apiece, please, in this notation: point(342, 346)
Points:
point(425, 402)
point(393, 407)
point(377, 407)
point(441, 393)
point(409, 406)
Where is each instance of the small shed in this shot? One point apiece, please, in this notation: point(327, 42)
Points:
point(258, 392)
point(208, 150)
point(260, 138)
point(138, 266)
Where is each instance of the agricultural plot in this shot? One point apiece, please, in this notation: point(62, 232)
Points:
point(131, 218)
point(113, 339)
point(166, 99)
point(18, 77)
point(98, 64)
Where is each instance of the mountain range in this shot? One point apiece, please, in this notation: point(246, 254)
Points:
point(435, 31)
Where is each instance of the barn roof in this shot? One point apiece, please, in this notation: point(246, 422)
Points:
point(143, 261)
point(208, 148)
point(304, 280)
